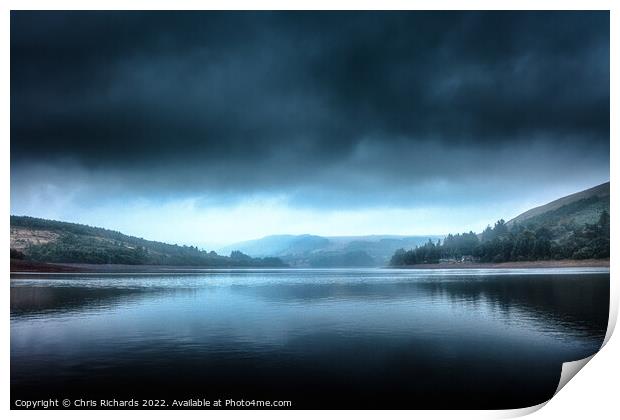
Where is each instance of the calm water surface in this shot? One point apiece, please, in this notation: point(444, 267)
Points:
point(373, 338)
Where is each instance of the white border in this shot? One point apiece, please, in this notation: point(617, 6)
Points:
point(592, 394)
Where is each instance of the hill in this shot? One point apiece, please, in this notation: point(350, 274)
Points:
point(279, 245)
point(50, 241)
point(580, 208)
point(572, 227)
point(329, 251)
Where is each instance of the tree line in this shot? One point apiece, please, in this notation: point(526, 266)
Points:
point(502, 243)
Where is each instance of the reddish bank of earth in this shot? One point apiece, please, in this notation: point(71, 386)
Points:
point(518, 264)
point(36, 267)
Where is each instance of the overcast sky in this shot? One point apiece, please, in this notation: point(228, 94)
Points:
point(213, 127)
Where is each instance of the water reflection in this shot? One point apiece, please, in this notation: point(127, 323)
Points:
point(324, 338)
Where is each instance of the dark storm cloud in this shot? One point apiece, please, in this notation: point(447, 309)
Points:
point(232, 102)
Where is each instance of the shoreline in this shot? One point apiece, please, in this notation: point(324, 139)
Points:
point(513, 264)
point(21, 266)
point(39, 267)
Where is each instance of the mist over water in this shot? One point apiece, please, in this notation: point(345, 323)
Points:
point(377, 338)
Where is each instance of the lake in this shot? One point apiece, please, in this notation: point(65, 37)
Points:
point(338, 338)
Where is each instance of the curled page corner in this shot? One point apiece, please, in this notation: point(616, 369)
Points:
point(570, 369)
point(518, 412)
point(611, 323)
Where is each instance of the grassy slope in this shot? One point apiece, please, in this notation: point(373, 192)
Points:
point(582, 207)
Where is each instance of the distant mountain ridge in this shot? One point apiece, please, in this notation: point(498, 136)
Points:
point(278, 245)
point(329, 251)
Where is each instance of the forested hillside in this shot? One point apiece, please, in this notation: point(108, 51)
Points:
point(45, 240)
point(577, 228)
